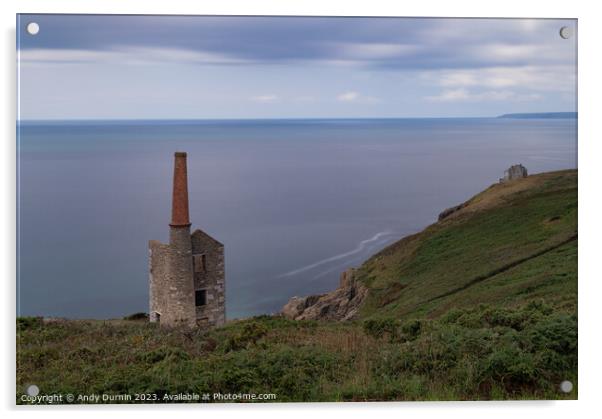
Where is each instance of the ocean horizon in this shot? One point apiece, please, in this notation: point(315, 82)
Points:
point(571, 115)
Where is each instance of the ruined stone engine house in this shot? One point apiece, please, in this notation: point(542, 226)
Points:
point(186, 278)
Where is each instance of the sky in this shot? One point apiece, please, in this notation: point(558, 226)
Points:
point(209, 67)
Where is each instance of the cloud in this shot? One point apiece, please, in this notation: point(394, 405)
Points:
point(530, 25)
point(355, 97)
point(348, 97)
point(464, 95)
point(376, 43)
point(265, 98)
point(534, 78)
point(449, 96)
point(127, 56)
point(351, 51)
point(539, 52)
point(293, 65)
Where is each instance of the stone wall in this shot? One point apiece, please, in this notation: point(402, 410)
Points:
point(170, 277)
point(159, 257)
point(174, 279)
point(178, 285)
point(518, 171)
point(210, 276)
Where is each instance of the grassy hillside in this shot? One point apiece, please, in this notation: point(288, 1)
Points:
point(513, 243)
point(481, 305)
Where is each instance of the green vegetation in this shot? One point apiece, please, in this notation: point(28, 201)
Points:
point(137, 316)
point(512, 244)
point(479, 306)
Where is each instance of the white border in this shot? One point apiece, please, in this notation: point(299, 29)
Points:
point(590, 138)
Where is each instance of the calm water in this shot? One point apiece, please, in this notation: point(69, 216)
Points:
point(294, 201)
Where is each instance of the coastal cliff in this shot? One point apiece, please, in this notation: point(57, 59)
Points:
point(490, 238)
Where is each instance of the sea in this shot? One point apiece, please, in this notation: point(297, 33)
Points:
point(294, 201)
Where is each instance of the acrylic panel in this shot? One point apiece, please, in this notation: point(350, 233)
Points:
point(274, 209)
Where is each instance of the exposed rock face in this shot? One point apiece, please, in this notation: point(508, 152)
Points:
point(449, 211)
point(340, 304)
point(518, 171)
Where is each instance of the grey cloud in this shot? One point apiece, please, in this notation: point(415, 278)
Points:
point(385, 43)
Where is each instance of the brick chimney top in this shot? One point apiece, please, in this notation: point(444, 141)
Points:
point(179, 208)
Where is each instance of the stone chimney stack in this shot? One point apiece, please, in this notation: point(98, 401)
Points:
point(186, 276)
point(179, 293)
point(179, 208)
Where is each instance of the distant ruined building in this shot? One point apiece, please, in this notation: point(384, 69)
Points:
point(186, 278)
point(518, 171)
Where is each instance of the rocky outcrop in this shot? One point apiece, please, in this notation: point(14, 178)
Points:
point(340, 304)
point(449, 211)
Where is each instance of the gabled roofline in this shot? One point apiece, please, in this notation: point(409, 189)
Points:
point(199, 231)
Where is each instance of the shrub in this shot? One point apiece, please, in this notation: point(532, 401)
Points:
point(137, 316)
point(163, 353)
point(38, 357)
point(513, 368)
point(411, 329)
point(501, 317)
point(482, 352)
point(26, 323)
point(557, 333)
point(379, 328)
point(249, 335)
